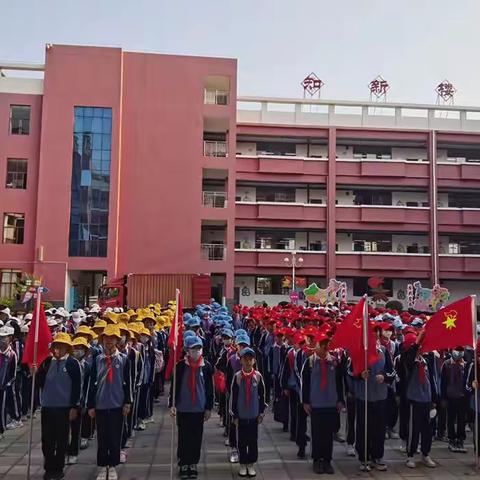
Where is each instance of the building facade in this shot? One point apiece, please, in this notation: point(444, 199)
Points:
point(119, 162)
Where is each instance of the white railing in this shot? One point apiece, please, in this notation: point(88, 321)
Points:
point(319, 112)
point(213, 252)
point(215, 199)
point(216, 97)
point(214, 148)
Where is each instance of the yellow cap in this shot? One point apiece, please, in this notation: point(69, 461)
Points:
point(85, 330)
point(100, 324)
point(62, 337)
point(123, 317)
point(80, 342)
point(145, 331)
point(112, 331)
point(111, 317)
point(130, 312)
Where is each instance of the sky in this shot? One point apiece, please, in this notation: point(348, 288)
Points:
point(413, 44)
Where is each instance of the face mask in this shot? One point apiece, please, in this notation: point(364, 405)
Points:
point(195, 354)
point(387, 334)
point(227, 342)
point(78, 354)
point(95, 342)
point(457, 355)
point(124, 339)
point(4, 342)
point(143, 339)
point(400, 337)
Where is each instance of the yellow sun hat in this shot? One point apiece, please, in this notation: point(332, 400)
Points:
point(80, 342)
point(84, 330)
point(62, 337)
point(111, 331)
point(100, 324)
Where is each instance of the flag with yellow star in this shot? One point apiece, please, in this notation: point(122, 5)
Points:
point(450, 327)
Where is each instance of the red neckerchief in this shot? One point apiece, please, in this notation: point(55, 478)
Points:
point(108, 361)
point(248, 386)
point(192, 380)
point(323, 373)
point(421, 373)
point(308, 351)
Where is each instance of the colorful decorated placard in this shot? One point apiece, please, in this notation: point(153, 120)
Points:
point(335, 292)
point(426, 299)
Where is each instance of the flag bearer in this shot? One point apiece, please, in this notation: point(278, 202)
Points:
point(422, 395)
point(322, 398)
point(193, 405)
point(454, 399)
point(80, 352)
point(8, 369)
point(59, 378)
point(109, 400)
point(247, 407)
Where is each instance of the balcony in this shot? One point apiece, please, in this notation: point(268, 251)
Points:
point(215, 199)
point(215, 148)
point(263, 261)
point(403, 265)
point(466, 267)
point(457, 220)
point(215, 97)
point(213, 252)
point(384, 217)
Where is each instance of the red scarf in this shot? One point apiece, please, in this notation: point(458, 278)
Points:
point(248, 386)
point(323, 373)
point(108, 361)
point(192, 379)
point(421, 373)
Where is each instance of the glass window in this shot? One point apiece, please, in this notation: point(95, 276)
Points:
point(16, 173)
point(90, 182)
point(13, 228)
point(271, 285)
point(19, 119)
point(8, 282)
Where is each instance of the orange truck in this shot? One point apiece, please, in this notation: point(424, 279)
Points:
point(137, 290)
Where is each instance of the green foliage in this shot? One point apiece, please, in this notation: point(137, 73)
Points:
point(394, 305)
point(7, 302)
point(47, 305)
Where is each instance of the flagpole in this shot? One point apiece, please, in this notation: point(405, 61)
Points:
point(174, 379)
point(34, 374)
point(475, 363)
point(365, 347)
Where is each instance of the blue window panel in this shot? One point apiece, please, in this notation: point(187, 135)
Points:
point(90, 182)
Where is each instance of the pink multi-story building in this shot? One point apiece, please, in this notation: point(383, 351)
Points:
point(118, 162)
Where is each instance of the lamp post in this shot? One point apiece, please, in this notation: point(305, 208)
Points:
point(295, 263)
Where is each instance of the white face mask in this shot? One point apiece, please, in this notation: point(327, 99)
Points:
point(227, 342)
point(78, 354)
point(123, 341)
point(195, 354)
point(143, 339)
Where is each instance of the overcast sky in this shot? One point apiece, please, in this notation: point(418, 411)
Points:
point(414, 44)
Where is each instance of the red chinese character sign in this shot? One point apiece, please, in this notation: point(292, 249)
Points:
point(445, 92)
point(378, 88)
point(312, 85)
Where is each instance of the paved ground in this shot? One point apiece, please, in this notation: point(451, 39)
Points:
point(149, 458)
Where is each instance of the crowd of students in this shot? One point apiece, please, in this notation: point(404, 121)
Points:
point(107, 369)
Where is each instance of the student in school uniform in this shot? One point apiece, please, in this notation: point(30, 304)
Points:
point(247, 406)
point(454, 399)
point(422, 395)
point(8, 369)
point(109, 400)
point(59, 378)
point(192, 405)
point(80, 352)
point(472, 384)
point(322, 398)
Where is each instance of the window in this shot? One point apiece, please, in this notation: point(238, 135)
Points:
point(19, 119)
point(276, 148)
point(275, 194)
point(16, 173)
point(13, 228)
point(372, 242)
point(90, 182)
point(361, 287)
point(8, 281)
point(269, 285)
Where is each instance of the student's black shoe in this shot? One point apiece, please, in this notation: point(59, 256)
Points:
point(327, 467)
point(301, 452)
point(285, 428)
point(192, 471)
point(292, 438)
point(184, 472)
point(338, 438)
point(318, 467)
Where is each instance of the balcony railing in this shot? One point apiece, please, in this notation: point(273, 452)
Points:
point(214, 148)
point(215, 199)
point(216, 97)
point(213, 252)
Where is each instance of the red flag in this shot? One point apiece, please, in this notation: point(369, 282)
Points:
point(349, 335)
point(175, 338)
point(44, 339)
point(451, 326)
